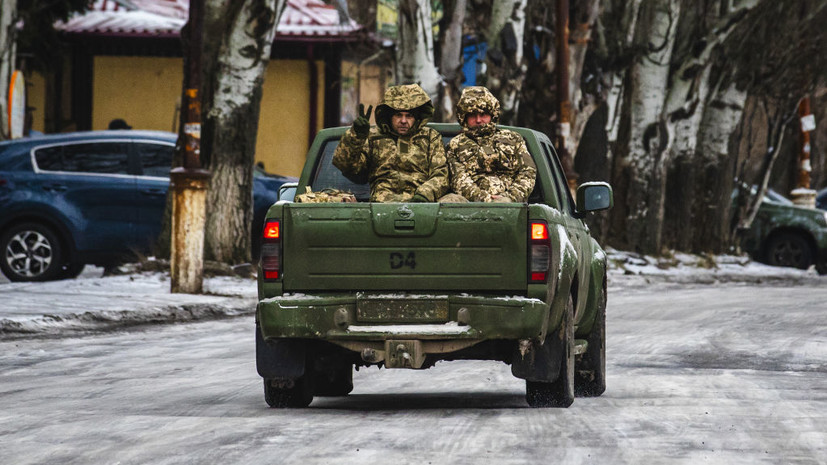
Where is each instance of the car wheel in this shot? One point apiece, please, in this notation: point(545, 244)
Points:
point(789, 249)
point(30, 252)
point(559, 393)
point(590, 377)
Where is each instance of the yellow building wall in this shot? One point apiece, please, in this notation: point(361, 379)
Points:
point(142, 90)
point(145, 91)
point(283, 127)
point(36, 100)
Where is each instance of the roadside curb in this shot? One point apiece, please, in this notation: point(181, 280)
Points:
point(109, 320)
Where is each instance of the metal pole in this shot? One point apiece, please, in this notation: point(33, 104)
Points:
point(190, 182)
point(563, 99)
point(803, 194)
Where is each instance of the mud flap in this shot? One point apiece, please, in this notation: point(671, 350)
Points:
point(280, 359)
point(541, 362)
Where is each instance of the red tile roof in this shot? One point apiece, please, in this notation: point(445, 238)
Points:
point(154, 18)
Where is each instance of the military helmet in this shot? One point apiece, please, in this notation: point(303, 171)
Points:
point(477, 99)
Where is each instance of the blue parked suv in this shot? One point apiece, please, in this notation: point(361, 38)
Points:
point(89, 197)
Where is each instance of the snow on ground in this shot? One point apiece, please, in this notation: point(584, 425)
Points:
point(96, 302)
point(631, 268)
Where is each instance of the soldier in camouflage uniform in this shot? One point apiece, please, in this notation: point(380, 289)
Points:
point(488, 164)
point(403, 160)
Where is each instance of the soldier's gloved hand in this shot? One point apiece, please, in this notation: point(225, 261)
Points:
point(361, 125)
point(419, 198)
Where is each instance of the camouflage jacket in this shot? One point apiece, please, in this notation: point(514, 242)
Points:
point(496, 164)
point(486, 161)
point(397, 167)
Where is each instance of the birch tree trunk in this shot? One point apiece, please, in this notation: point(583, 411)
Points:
point(500, 14)
point(714, 162)
point(450, 62)
point(583, 104)
point(8, 9)
point(699, 172)
point(415, 47)
point(643, 159)
point(237, 41)
point(505, 68)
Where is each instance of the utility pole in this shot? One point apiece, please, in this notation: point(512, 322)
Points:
point(190, 181)
point(563, 99)
point(803, 194)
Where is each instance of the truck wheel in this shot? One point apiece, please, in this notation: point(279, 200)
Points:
point(288, 393)
point(590, 376)
point(335, 383)
point(559, 393)
point(787, 249)
point(30, 252)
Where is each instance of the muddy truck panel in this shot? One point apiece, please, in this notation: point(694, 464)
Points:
point(413, 247)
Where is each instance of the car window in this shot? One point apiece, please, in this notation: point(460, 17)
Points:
point(329, 177)
point(156, 159)
point(559, 181)
point(95, 157)
point(49, 158)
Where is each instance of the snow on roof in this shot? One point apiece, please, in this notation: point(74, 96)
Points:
point(153, 18)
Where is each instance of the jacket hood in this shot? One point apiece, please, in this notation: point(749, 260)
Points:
point(478, 99)
point(410, 98)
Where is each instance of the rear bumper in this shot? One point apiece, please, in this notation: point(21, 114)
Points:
point(349, 317)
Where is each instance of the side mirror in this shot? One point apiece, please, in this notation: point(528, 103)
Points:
point(594, 196)
point(287, 191)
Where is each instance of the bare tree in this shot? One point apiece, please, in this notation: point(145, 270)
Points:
point(791, 65)
point(506, 69)
point(415, 61)
point(237, 42)
point(641, 160)
point(450, 62)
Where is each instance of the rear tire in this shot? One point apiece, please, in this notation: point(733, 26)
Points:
point(789, 249)
point(590, 376)
point(277, 394)
point(30, 252)
point(559, 393)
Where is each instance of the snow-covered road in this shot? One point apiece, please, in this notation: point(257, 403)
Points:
point(728, 373)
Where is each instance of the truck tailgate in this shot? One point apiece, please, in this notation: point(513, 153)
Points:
point(405, 246)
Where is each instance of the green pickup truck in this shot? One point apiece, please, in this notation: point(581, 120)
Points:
point(405, 285)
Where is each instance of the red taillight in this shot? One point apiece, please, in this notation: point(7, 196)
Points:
point(271, 230)
point(539, 231)
point(539, 253)
point(271, 250)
